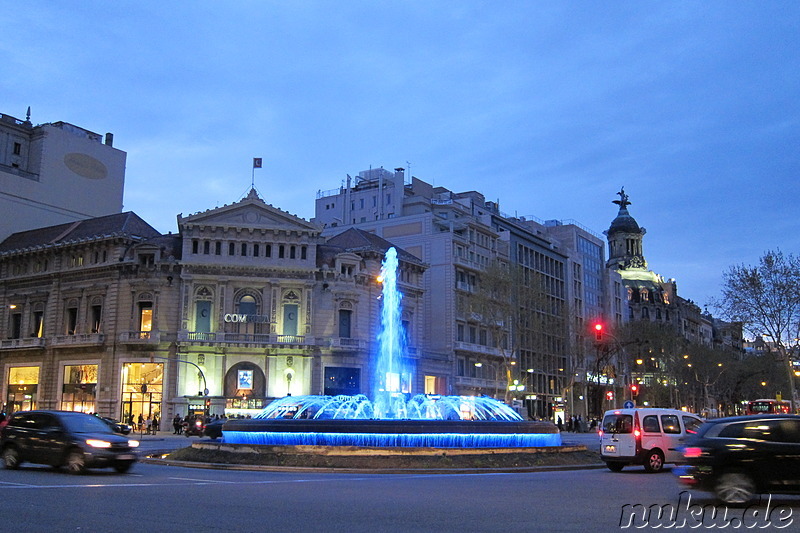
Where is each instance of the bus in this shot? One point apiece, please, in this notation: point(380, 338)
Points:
point(768, 407)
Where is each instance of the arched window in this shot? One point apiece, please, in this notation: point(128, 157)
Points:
point(247, 305)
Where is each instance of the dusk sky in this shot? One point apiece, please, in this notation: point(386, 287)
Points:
point(550, 107)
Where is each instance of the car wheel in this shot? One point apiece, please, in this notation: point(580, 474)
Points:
point(122, 467)
point(11, 458)
point(615, 467)
point(735, 488)
point(654, 462)
point(76, 462)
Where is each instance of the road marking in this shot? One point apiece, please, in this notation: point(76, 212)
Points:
point(201, 480)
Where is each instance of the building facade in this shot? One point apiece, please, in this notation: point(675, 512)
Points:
point(458, 235)
point(55, 173)
point(246, 303)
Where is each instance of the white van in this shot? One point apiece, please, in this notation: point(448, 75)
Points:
point(644, 436)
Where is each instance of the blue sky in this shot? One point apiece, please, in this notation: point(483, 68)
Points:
point(549, 107)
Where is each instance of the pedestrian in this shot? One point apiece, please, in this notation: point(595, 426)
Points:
point(156, 423)
point(560, 424)
point(140, 421)
point(148, 424)
point(569, 424)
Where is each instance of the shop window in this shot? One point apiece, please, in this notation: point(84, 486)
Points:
point(22, 389)
point(142, 388)
point(78, 393)
point(342, 380)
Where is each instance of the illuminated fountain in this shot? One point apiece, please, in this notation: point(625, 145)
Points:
point(392, 418)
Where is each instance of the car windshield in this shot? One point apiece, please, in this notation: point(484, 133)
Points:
point(81, 423)
point(618, 423)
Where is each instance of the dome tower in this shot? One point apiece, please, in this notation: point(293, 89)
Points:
point(625, 238)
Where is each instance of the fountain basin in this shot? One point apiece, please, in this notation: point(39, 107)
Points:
point(392, 433)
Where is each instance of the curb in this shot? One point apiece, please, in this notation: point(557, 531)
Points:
point(416, 471)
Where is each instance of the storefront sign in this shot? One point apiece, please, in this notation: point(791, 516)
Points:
point(253, 319)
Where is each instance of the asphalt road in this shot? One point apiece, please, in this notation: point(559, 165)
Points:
point(156, 498)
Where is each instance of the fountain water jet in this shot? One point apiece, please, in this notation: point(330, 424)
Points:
point(392, 418)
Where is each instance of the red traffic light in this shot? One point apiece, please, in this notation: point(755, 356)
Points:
point(598, 331)
point(609, 395)
point(634, 389)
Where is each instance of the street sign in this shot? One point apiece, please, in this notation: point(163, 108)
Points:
point(628, 404)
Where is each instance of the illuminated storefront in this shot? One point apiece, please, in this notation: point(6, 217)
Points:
point(23, 386)
point(79, 391)
point(142, 390)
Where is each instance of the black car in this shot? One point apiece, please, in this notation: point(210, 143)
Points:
point(739, 457)
point(116, 426)
point(214, 429)
point(64, 438)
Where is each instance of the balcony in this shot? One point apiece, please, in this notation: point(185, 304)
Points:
point(478, 349)
point(478, 383)
point(346, 344)
point(22, 344)
point(81, 339)
point(141, 338)
point(245, 339)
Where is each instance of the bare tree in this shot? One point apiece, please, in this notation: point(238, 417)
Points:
point(766, 299)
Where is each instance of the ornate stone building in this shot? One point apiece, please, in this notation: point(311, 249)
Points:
point(246, 303)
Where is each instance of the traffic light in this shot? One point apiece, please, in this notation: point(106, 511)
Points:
point(610, 395)
point(598, 331)
point(634, 389)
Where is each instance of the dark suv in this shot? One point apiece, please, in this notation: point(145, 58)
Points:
point(64, 438)
point(739, 457)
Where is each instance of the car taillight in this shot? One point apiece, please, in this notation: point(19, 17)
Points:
point(692, 452)
point(637, 433)
point(600, 433)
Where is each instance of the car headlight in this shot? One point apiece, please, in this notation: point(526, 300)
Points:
point(133, 443)
point(96, 443)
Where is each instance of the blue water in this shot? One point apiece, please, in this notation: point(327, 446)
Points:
point(399, 440)
point(419, 407)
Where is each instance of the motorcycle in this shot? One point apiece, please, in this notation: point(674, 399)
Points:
point(196, 427)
